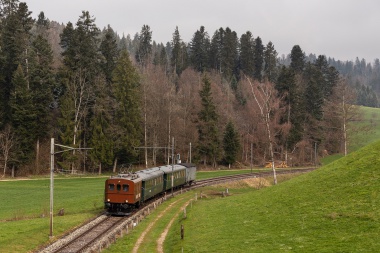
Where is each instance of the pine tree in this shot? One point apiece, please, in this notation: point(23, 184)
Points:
point(110, 53)
point(42, 81)
point(297, 57)
point(216, 47)
point(144, 49)
point(258, 59)
point(292, 98)
point(208, 133)
point(101, 141)
point(128, 117)
point(229, 55)
point(16, 24)
point(199, 50)
point(231, 144)
point(246, 53)
point(23, 116)
point(313, 102)
point(178, 58)
point(329, 74)
point(270, 63)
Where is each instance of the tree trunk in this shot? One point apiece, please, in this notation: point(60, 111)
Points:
point(344, 126)
point(114, 165)
point(145, 129)
point(37, 169)
point(265, 111)
point(100, 169)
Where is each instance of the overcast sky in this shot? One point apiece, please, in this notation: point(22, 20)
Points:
point(343, 29)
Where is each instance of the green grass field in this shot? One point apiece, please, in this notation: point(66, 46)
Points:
point(25, 207)
point(333, 209)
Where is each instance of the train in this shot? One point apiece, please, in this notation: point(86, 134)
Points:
point(125, 192)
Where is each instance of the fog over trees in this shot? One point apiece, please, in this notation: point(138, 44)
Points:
point(128, 97)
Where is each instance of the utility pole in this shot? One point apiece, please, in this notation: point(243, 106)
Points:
point(52, 153)
point(251, 156)
point(172, 165)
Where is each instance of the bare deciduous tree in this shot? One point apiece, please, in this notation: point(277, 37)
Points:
point(340, 111)
point(7, 141)
point(266, 99)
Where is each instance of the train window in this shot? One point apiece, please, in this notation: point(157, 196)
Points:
point(118, 187)
point(111, 187)
point(125, 187)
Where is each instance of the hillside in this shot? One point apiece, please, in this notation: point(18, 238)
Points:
point(333, 209)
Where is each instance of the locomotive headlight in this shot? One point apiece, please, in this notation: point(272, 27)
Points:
point(108, 200)
point(126, 201)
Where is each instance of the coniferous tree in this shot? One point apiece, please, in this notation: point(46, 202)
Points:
point(42, 25)
point(101, 138)
point(199, 50)
point(258, 60)
point(110, 52)
point(330, 75)
point(313, 102)
point(208, 133)
point(270, 62)
point(216, 48)
point(229, 55)
point(124, 43)
point(42, 81)
point(163, 58)
point(128, 118)
point(144, 48)
point(231, 144)
point(247, 53)
point(16, 24)
point(178, 58)
point(291, 96)
point(23, 116)
point(297, 57)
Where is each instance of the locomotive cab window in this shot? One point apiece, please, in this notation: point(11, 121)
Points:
point(125, 187)
point(111, 187)
point(118, 187)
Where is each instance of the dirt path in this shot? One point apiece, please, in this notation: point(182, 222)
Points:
point(141, 239)
point(160, 241)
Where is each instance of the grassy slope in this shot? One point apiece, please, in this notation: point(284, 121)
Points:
point(333, 209)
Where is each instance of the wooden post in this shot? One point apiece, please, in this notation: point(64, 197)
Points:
point(184, 213)
point(182, 231)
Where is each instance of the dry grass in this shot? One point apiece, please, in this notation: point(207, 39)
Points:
point(256, 183)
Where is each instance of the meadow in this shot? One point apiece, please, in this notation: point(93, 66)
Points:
point(25, 209)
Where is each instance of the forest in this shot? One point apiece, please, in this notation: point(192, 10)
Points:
point(217, 100)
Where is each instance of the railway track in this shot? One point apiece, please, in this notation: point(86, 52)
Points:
point(103, 230)
point(83, 240)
